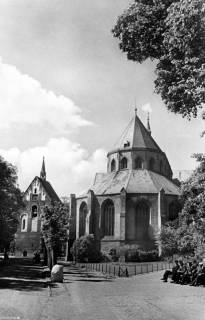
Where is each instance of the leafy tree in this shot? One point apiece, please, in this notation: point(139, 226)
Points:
point(54, 228)
point(85, 249)
point(172, 32)
point(10, 204)
point(187, 233)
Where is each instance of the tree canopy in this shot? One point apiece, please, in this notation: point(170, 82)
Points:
point(10, 203)
point(187, 233)
point(54, 228)
point(172, 32)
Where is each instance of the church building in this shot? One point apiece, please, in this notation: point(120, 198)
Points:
point(126, 206)
point(38, 194)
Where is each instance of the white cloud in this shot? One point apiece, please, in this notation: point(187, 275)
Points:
point(24, 101)
point(69, 167)
point(147, 107)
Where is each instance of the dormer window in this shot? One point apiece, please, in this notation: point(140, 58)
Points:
point(138, 163)
point(126, 144)
point(123, 163)
point(113, 165)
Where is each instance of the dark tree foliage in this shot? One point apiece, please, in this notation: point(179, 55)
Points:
point(10, 203)
point(172, 32)
point(54, 229)
point(85, 249)
point(187, 234)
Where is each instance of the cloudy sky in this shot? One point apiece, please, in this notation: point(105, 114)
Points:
point(67, 93)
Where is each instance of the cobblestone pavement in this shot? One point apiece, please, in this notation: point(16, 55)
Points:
point(91, 295)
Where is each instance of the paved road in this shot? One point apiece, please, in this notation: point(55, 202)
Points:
point(89, 296)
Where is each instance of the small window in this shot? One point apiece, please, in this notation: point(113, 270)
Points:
point(138, 163)
point(35, 190)
point(24, 223)
point(34, 211)
point(161, 167)
point(123, 163)
point(151, 164)
point(113, 165)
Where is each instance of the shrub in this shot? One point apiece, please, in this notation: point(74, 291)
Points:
point(85, 249)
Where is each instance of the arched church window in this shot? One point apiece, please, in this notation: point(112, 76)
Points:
point(34, 211)
point(123, 163)
point(108, 217)
point(82, 218)
point(138, 163)
point(151, 164)
point(142, 220)
point(113, 165)
point(24, 223)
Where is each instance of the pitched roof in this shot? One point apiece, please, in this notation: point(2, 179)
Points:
point(133, 181)
point(137, 136)
point(49, 190)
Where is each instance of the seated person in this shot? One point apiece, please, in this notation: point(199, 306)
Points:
point(194, 269)
point(172, 272)
point(186, 276)
point(200, 277)
point(179, 273)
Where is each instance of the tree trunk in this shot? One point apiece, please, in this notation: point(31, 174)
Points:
point(49, 258)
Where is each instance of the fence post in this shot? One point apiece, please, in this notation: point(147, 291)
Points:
point(152, 267)
point(157, 266)
point(135, 270)
point(114, 270)
point(141, 268)
point(147, 268)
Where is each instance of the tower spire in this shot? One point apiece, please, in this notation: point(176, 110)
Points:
point(148, 124)
point(43, 170)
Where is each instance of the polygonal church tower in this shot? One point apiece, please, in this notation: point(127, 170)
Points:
point(38, 194)
point(126, 206)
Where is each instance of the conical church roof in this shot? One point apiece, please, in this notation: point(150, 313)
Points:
point(136, 136)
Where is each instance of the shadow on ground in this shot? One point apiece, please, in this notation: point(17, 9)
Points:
point(76, 274)
point(21, 274)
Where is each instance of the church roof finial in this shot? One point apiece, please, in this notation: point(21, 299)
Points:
point(148, 124)
point(135, 111)
point(43, 170)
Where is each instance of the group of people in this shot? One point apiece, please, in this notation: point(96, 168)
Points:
point(192, 273)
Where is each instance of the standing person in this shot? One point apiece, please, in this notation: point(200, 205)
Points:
point(172, 272)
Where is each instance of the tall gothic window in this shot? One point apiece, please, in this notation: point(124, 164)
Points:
point(82, 218)
point(123, 163)
point(142, 220)
point(138, 163)
point(108, 217)
point(113, 165)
